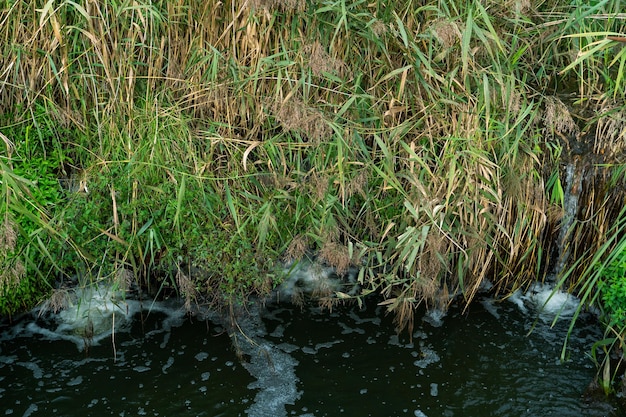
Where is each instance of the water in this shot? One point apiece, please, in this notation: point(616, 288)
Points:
point(309, 362)
point(573, 185)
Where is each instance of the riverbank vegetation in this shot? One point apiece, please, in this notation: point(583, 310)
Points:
point(434, 147)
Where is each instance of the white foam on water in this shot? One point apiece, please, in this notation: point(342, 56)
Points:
point(348, 330)
point(169, 363)
point(518, 298)
point(75, 381)
point(31, 409)
point(546, 301)
point(490, 308)
point(273, 367)
point(307, 277)
point(361, 320)
point(326, 345)
point(552, 302)
point(435, 317)
point(310, 277)
point(37, 372)
point(428, 356)
point(92, 315)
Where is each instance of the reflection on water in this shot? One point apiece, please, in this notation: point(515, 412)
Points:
point(305, 362)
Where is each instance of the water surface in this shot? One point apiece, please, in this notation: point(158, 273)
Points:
point(304, 361)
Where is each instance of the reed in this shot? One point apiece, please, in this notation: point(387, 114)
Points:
point(422, 143)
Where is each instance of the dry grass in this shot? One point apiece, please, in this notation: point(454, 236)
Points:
point(320, 61)
point(13, 270)
point(337, 256)
point(8, 236)
point(187, 289)
point(59, 300)
point(557, 118)
point(447, 33)
point(610, 131)
point(298, 247)
point(295, 116)
point(295, 6)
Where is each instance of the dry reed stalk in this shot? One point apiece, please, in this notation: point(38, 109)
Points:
point(59, 300)
point(13, 270)
point(557, 118)
point(610, 131)
point(295, 115)
point(187, 288)
point(335, 255)
point(320, 61)
point(297, 248)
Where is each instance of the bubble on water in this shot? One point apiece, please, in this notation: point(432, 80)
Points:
point(517, 298)
point(169, 363)
point(434, 389)
point(361, 320)
point(363, 391)
point(288, 347)
point(75, 381)
point(205, 376)
point(394, 340)
point(326, 345)
point(307, 276)
point(309, 350)
point(36, 370)
point(420, 335)
point(551, 302)
point(428, 357)
point(348, 330)
point(30, 410)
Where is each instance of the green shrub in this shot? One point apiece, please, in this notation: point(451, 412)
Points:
point(30, 192)
point(613, 292)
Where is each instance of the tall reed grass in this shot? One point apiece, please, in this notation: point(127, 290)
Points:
point(423, 143)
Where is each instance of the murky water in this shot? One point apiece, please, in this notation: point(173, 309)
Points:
point(304, 362)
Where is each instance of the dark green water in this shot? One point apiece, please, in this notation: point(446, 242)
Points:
point(305, 362)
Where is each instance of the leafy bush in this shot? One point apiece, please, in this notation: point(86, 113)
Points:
point(613, 292)
point(30, 192)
